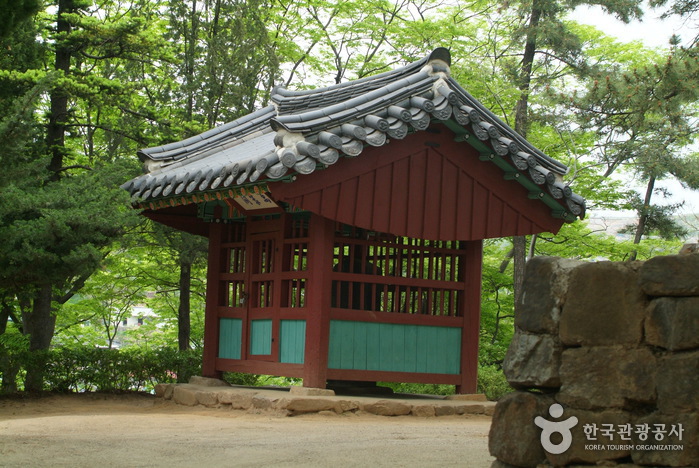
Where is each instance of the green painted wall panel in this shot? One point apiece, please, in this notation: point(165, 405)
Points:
point(359, 348)
point(292, 345)
point(410, 358)
point(373, 340)
point(334, 359)
point(394, 347)
point(261, 337)
point(230, 338)
point(346, 346)
point(385, 347)
point(421, 351)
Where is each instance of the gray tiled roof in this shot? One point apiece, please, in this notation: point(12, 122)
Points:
point(304, 130)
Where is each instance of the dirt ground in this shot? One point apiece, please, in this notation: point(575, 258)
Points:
point(142, 431)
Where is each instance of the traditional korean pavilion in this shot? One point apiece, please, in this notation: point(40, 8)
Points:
point(345, 225)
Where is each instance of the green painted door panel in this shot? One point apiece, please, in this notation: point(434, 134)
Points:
point(292, 344)
point(230, 338)
point(261, 337)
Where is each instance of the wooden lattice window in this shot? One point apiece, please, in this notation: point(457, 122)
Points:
point(234, 265)
point(295, 262)
point(385, 273)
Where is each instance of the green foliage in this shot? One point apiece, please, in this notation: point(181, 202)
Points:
point(85, 369)
point(419, 389)
point(492, 382)
point(16, 12)
point(658, 219)
point(238, 378)
point(55, 231)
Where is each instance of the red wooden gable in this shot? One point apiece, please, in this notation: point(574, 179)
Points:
point(425, 186)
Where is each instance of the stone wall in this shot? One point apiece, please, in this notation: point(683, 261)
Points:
point(616, 345)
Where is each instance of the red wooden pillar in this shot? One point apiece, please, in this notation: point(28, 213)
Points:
point(213, 301)
point(320, 261)
point(471, 311)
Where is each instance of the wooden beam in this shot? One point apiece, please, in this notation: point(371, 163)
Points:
point(471, 311)
point(213, 301)
point(320, 263)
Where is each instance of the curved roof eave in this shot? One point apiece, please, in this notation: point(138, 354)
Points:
point(304, 130)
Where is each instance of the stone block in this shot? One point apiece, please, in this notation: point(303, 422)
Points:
point(602, 442)
point(425, 411)
point(387, 408)
point(207, 381)
point(236, 400)
point(604, 306)
point(471, 409)
point(311, 391)
point(678, 383)
point(260, 402)
point(467, 397)
point(185, 395)
point(514, 439)
point(543, 292)
point(444, 410)
point(673, 323)
point(677, 451)
point(207, 398)
point(533, 361)
point(312, 405)
point(348, 405)
point(164, 391)
point(607, 377)
point(671, 275)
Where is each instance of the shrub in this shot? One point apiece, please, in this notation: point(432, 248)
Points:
point(85, 369)
point(492, 382)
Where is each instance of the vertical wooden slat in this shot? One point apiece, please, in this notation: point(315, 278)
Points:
point(433, 188)
point(399, 195)
point(480, 211)
point(330, 201)
point(449, 210)
point(382, 200)
point(348, 200)
point(464, 217)
point(364, 201)
point(416, 196)
point(495, 209)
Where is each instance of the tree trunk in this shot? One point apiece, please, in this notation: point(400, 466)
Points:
point(58, 116)
point(183, 313)
point(520, 260)
point(519, 243)
point(643, 217)
point(8, 367)
point(40, 325)
point(191, 37)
